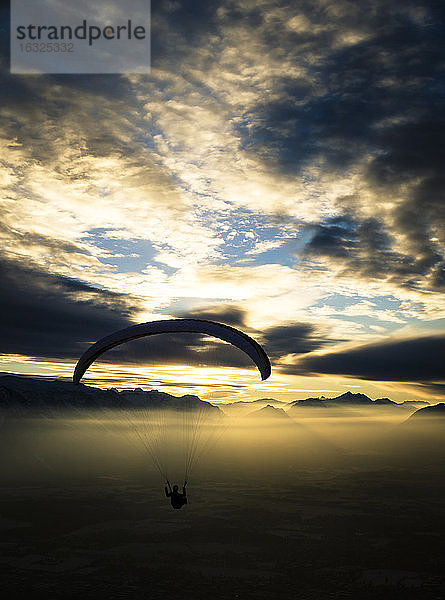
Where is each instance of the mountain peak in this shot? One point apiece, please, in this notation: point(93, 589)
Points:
point(350, 397)
point(432, 412)
point(270, 412)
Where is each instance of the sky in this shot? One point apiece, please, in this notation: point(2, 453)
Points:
point(281, 170)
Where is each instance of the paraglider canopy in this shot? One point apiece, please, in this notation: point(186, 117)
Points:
point(223, 332)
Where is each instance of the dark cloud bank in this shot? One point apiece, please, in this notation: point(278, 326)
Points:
point(419, 359)
point(40, 315)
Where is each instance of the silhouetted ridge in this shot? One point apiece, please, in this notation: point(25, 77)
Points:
point(31, 393)
point(386, 401)
point(349, 399)
point(437, 411)
point(249, 403)
point(269, 412)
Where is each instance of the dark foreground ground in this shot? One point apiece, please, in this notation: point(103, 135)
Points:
point(340, 525)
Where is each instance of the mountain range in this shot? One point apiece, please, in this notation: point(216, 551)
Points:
point(25, 392)
point(349, 399)
point(259, 402)
point(39, 394)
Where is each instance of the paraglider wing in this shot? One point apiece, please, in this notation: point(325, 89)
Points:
point(224, 332)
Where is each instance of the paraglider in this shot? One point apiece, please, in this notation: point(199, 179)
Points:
point(150, 422)
point(176, 498)
point(224, 332)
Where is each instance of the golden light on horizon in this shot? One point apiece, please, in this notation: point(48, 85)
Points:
point(212, 383)
point(205, 382)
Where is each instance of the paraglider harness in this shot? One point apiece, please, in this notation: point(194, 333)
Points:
point(176, 498)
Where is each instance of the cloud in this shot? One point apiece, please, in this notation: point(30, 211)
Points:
point(292, 338)
point(418, 359)
point(50, 316)
point(70, 169)
point(371, 110)
point(348, 90)
point(366, 248)
point(222, 313)
point(269, 294)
